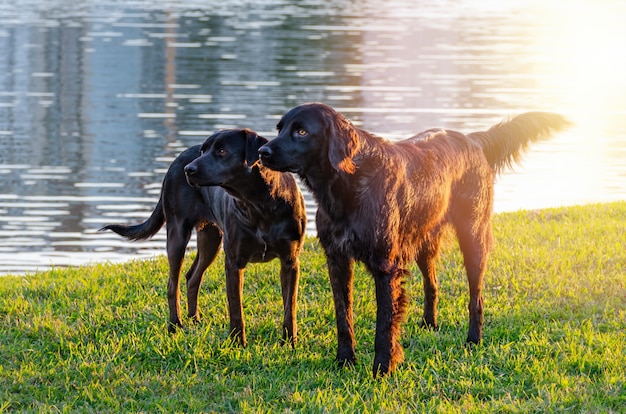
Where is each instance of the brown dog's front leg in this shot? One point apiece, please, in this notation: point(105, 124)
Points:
point(341, 273)
point(289, 276)
point(234, 292)
point(391, 303)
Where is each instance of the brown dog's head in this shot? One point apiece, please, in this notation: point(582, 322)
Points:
point(225, 157)
point(312, 134)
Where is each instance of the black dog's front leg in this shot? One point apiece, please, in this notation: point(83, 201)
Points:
point(341, 273)
point(234, 292)
point(177, 237)
point(209, 239)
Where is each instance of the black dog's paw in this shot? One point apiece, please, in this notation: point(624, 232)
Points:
point(237, 338)
point(288, 340)
point(471, 344)
point(174, 327)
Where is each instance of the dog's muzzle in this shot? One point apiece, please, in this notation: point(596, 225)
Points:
point(275, 161)
point(266, 155)
point(190, 171)
point(265, 152)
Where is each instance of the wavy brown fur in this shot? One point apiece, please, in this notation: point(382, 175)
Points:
point(505, 143)
point(386, 204)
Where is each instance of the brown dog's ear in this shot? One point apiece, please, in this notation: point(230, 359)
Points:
point(343, 145)
point(253, 143)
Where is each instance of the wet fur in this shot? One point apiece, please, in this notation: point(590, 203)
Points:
point(386, 204)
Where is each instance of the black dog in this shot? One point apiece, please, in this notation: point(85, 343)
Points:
point(385, 204)
point(259, 214)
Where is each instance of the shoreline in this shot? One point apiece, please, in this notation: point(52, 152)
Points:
point(65, 260)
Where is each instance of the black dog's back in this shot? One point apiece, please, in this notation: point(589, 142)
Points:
point(174, 191)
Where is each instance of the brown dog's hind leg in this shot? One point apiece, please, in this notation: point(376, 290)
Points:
point(426, 260)
point(209, 242)
point(475, 243)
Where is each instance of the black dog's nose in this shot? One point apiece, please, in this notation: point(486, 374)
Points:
point(191, 169)
point(265, 151)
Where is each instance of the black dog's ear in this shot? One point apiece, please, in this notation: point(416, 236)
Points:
point(343, 144)
point(253, 143)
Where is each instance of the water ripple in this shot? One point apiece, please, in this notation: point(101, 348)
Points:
point(97, 98)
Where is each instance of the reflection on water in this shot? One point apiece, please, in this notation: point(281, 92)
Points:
point(96, 98)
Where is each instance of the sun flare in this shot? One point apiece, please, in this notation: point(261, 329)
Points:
point(586, 55)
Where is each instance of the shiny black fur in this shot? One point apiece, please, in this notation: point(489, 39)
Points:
point(220, 190)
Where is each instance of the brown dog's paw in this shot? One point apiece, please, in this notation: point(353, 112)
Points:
point(345, 360)
point(429, 326)
point(474, 335)
point(382, 368)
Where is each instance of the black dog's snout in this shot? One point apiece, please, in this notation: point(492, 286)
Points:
point(191, 169)
point(265, 151)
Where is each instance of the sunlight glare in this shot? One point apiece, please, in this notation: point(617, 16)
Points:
point(586, 50)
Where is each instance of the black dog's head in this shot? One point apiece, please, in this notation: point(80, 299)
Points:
point(311, 134)
point(225, 157)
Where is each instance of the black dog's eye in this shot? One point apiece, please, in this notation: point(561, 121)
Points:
point(220, 152)
point(301, 132)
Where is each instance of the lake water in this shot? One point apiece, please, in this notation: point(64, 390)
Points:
point(98, 97)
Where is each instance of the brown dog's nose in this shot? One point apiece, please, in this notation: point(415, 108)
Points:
point(190, 169)
point(265, 151)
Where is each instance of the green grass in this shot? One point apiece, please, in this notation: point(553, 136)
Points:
point(94, 339)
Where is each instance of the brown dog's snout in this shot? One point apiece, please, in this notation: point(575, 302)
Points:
point(190, 169)
point(265, 151)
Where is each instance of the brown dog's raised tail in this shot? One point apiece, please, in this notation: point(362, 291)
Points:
point(503, 144)
point(142, 231)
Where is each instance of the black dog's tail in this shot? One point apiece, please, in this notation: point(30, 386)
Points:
point(141, 231)
point(503, 144)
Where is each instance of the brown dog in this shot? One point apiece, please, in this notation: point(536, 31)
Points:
point(385, 204)
point(258, 213)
